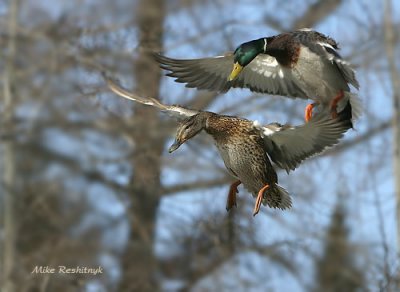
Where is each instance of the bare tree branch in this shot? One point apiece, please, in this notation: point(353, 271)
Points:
point(315, 13)
point(196, 185)
point(359, 139)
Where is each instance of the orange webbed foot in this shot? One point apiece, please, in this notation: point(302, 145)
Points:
point(231, 200)
point(308, 112)
point(259, 199)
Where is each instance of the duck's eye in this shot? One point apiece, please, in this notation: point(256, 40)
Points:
point(187, 128)
point(184, 129)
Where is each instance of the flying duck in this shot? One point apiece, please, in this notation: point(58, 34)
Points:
point(302, 63)
point(247, 148)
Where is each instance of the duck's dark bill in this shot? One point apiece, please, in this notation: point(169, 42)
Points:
point(174, 146)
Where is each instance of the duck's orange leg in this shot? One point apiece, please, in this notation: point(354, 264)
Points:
point(308, 111)
point(231, 200)
point(335, 102)
point(259, 199)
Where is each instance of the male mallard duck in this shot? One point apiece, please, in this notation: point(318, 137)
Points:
point(302, 63)
point(247, 148)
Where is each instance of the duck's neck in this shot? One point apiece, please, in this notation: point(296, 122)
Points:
point(258, 46)
point(264, 43)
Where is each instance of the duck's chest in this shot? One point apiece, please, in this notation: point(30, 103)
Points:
point(240, 147)
point(235, 157)
point(245, 159)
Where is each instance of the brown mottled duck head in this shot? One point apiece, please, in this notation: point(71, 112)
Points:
point(188, 129)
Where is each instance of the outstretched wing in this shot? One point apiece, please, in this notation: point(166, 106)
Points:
point(289, 145)
point(176, 111)
point(327, 48)
point(264, 74)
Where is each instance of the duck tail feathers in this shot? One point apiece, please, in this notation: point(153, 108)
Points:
point(277, 197)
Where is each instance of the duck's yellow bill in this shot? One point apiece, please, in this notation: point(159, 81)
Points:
point(235, 72)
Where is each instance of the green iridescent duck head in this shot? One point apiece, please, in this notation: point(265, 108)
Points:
point(245, 53)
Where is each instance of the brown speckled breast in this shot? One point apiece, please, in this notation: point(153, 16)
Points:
point(241, 148)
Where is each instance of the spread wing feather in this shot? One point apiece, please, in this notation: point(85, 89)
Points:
point(289, 145)
point(263, 74)
point(176, 111)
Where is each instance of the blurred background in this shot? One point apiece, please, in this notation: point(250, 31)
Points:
point(86, 180)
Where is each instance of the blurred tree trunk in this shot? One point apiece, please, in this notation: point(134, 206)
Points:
point(390, 43)
point(336, 269)
point(9, 253)
point(139, 263)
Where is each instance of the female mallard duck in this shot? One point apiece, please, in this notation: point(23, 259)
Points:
point(247, 148)
point(302, 63)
